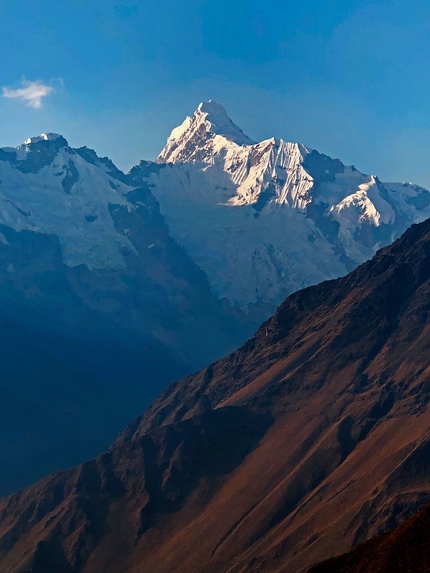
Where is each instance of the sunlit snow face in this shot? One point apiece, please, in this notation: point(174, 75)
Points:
point(264, 219)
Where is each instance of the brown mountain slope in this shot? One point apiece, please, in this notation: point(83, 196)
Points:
point(311, 438)
point(406, 549)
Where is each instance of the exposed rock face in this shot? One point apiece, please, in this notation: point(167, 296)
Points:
point(94, 283)
point(311, 438)
point(266, 219)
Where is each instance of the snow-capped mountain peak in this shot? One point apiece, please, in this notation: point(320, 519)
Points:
point(47, 187)
point(194, 139)
point(44, 137)
point(218, 122)
point(43, 144)
point(265, 219)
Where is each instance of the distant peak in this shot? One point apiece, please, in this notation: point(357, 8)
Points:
point(45, 137)
point(209, 119)
point(216, 115)
point(213, 111)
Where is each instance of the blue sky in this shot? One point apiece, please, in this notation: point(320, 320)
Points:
point(350, 78)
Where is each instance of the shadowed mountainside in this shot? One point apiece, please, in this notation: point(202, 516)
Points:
point(311, 438)
point(406, 549)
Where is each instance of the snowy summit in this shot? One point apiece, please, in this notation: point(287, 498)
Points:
point(265, 219)
point(200, 131)
point(260, 219)
point(43, 137)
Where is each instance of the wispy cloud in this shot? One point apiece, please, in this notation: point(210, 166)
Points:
point(31, 93)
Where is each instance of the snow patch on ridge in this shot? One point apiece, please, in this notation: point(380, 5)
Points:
point(365, 205)
point(43, 137)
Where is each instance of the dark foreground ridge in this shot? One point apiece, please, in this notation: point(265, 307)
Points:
point(406, 549)
point(310, 439)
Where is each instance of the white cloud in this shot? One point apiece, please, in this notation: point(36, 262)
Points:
point(31, 93)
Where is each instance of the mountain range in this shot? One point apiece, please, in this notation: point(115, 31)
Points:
point(112, 285)
point(309, 439)
point(266, 219)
